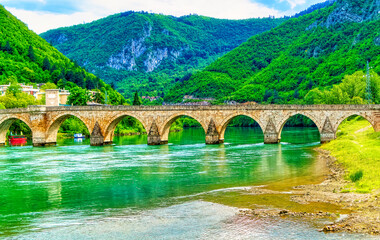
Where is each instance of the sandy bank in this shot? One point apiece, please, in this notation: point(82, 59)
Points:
point(353, 212)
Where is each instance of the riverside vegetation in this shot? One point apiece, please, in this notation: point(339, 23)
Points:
point(348, 195)
point(27, 58)
point(357, 149)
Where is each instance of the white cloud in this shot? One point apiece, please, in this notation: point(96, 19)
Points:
point(236, 9)
point(42, 21)
point(95, 9)
point(295, 3)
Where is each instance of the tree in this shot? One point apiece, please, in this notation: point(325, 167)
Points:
point(310, 84)
point(78, 79)
point(350, 91)
point(78, 96)
point(19, 100)
point(296, 94)
point(267, 95)
point(136, 99)
point(90, 84)
point(8, 48)
point(13, 89)
point(46, 64)
point(48, 85)
point(31, 54)
point(99, 97)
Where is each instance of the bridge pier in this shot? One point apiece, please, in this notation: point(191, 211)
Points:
point(327, 137)
point(213, 140)
point(39, 139)
point(154, 137)
point(154, 141)
point(271, 138)
point(212, 135)
point(271, 135)
point(327, 133)
point(96, 138)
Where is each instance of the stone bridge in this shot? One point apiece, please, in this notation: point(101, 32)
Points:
point(101, 121)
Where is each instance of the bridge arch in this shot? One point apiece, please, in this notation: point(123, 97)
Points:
point(55, 124)
point(169, 121)
point(346, 116)
point(228, 119)
point(111, 126)
point(7, 122)
point(304, 114)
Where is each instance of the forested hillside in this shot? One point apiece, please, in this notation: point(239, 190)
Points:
point(151, 52)
point(27, 58)
point(282, 65)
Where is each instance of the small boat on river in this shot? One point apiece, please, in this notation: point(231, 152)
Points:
point(17, 140)
point(78, 135)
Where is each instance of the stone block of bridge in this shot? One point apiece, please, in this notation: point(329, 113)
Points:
point(271, 138)
point(96, 137)
point(271, 135)
point(154, 137)
point(327, 133)
point(212, 134)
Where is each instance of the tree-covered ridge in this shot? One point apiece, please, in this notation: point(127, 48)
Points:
point(150, 52)
point(284, 64)
point(27, 58)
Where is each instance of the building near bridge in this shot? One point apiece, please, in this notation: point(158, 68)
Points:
point(24, 88)
point(54, 97)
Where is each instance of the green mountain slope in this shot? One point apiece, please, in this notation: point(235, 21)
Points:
point(150, 52)
point(285, 63)
point(25, 57)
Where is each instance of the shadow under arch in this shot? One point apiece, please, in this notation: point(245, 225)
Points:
point(241, 117)
point(300, 120)
point(52, 132)
point(166, 127)
point(6, 124)
point(111, 126)
point(349, 118)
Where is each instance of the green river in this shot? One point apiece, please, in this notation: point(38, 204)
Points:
point(133, 191)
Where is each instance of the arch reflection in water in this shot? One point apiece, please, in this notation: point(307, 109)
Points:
point(290, 133)
point(242, 129)
point(174, 130)
point(64, 127)
point(123, 125)
point(70, 183)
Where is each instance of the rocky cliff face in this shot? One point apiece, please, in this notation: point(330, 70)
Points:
point(157, 56)
point(354, 11)
point(377, 41)
point(137, 54)
point(350, 11)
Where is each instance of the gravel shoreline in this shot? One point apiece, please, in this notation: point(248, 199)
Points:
point(362, 210)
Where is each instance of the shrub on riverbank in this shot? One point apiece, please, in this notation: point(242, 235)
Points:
point(357, 148)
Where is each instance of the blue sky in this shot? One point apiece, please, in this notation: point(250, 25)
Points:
point(42, 15)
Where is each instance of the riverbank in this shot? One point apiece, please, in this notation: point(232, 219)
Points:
point(351, 202)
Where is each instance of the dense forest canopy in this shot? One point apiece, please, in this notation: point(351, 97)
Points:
point(282, 65)
point(27, 58)
point(149, 53)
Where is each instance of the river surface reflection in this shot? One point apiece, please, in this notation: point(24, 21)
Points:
point(130, 190)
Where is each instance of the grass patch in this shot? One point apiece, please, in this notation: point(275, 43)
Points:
point(356, 176)
point(357, 148)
